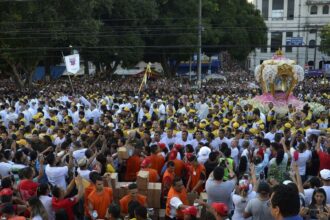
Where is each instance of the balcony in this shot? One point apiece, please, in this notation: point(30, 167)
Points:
point(317, 2)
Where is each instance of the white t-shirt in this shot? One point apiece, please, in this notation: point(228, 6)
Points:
point(308, 196)
point(270, 136)
point(175, 203)
point(37, 217)
point(235, 155)
point(78, 154)
point(327, 191)
point(5, 169)
point(240, 205)
point(59, 141)
point(56, 175)
point(302, 161)
point(84, 173)
point(47, 203)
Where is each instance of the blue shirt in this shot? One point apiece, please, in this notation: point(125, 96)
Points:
point(297, 217)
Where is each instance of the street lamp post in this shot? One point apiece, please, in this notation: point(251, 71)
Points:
point(199, 51)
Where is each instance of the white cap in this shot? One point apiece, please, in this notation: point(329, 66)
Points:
point(325, 174)
point(159, 100)
point(203, 154)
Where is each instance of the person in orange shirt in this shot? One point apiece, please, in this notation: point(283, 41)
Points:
point(197, 175)
point(157, 161)
point(133, 195)
point(133, 165)
point(99, 200)
point(177, 200)
point(178, 164)
point(168, 178)
point(153, 175)
point(90, 188)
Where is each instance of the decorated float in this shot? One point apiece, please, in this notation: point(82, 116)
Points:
point(277, 78)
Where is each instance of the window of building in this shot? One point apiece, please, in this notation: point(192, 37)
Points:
point(314, 10)
point(278, 10)
point(265, 6)
point(312, 44)
point(312, 31)
point(276, 41)
point(325, 10)
point(290, 12)
point(288, 49)
point(310, 63)
point(263, 49)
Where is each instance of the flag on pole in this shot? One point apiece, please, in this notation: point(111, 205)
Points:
point(72, 63)
point(145, 76)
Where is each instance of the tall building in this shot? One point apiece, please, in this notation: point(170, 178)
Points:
point(290, 23)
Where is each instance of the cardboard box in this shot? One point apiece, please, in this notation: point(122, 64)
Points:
point(142, 180)
point(114, 180)
point(154, 195)
point(122, 188)
point(123, 153)
point(203, 196)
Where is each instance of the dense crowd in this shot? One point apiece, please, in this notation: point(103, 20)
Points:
point(58, 149)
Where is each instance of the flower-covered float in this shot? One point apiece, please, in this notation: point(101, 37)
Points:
point(278, 77)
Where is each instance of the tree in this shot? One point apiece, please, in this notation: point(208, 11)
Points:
point(325, 39)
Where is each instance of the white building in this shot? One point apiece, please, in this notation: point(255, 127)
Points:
point(293, 21)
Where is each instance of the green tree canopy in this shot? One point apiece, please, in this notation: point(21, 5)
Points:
point(325, 39)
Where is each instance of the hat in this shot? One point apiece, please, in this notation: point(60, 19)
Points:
point(220, 208)
point(263, 188)
point(146, 162)
point(177, 146)
point(159, 100)
point(244, 184)
point(225, 120)
point(6, 192)
point(325, 174)
point(286, 182)
point(203, 154)
point(161, 145)
point(287, 125)
point(126, 109)
point(82, 162)
point(235, 125)
point(190, 210)
point(216, 123)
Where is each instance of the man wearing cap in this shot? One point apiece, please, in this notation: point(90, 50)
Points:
point(257, 207)
point(190, 213)
point(153, 174)
point(325, 176)
point(176, 200)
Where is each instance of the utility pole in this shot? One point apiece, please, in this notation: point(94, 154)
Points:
point(199, 51)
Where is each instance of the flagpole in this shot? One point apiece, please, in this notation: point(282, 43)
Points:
point(68, 75)
point(145, 77)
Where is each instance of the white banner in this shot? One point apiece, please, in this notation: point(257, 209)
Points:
point(72, 63)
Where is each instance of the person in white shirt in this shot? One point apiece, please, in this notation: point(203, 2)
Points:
point(169, 138)
point(43, 194)
point(183, 140)
point(198, 139)
point(271, 134)
point(56, 175)
point(60, 137)
point(234, 152)
point(302, 156)
point(184, 127)
point(325, 176)
point(222, 138)
point(161, 110)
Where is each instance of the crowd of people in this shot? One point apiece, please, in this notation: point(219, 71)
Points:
point(58, 148)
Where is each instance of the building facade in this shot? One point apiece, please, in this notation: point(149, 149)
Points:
point(294, 26)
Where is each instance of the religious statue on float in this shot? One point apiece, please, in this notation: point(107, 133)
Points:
point(278, 76)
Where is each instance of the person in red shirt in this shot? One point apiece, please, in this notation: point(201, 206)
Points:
point(27, 187)
point(178, 164)
point(132, 196)
point(59, 202)
point(168, 177)
point(153, 175)
point(100, 199)
point(133, 165)
point(197, 175)
point(323, 155)
point(90, 188)
point(157, 161)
